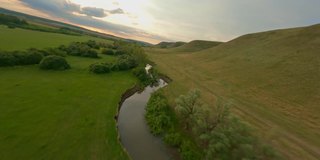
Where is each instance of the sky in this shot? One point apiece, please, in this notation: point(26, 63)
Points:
point(175, 20)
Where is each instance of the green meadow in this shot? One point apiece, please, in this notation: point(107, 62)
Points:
point(58, 114)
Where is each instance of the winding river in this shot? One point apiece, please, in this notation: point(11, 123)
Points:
point(133, 129)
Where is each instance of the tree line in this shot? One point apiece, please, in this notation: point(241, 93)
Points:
point(15, 22)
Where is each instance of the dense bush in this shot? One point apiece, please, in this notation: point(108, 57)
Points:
point(125, 62)
point(19, 58)
point(27, 58)
point(79, 49)
point(7, 59)
point(107, 51)
point(100, 68)
point(54, 62)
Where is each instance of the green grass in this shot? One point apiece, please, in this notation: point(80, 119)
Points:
point(58, 114)
point(21, 39)
point(272, 78)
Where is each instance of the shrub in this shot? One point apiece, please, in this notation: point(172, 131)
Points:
point(27, 58)
point(100, 68)
point(7, 59)
point(54, 62)
point(173, 139)
point(107, 51)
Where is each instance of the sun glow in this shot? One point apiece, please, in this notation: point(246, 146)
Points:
point(135, 14)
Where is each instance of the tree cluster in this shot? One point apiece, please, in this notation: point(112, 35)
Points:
point(162, 121)
point(206, 134)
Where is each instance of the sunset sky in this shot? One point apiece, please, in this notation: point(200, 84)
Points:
point(175, 20)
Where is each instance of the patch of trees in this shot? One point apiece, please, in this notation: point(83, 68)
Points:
point(123, 63)
point(54, 62)
point(205, 134)
point(129, 56)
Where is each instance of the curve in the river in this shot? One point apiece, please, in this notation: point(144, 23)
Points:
point(134, 132)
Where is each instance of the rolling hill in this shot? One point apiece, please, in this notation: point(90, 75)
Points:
point(272, 78)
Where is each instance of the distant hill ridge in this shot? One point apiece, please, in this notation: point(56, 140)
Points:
point(169, 44)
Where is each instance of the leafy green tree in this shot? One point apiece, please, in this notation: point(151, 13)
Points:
point(211, 118)
point(157, 114)
point(189, 107)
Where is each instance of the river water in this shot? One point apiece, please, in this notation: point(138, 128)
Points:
point(134, 132)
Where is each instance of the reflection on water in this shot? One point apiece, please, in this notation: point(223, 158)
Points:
point(134, 132)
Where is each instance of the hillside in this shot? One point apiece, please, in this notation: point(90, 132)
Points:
point(271, 77)
point(196, 45)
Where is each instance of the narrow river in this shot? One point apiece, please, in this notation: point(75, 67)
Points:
point(134, 132)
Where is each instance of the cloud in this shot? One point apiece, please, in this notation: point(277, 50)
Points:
point(116, 11)
point(93, 12)
point(64, 9)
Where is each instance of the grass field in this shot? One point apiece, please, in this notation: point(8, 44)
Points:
point(272, 78)
point(58, 114)
point(20, 39)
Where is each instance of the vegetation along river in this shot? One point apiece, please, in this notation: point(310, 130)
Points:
point(134, 132)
